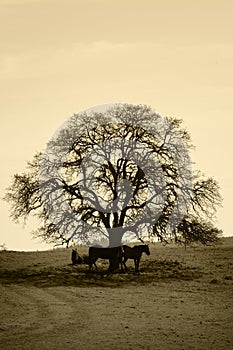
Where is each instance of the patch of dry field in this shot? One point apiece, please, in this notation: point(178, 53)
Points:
point(180, 300)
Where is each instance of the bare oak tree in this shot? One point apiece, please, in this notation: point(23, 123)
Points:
point(107, 176)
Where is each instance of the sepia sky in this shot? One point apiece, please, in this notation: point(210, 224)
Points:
point(58, 57)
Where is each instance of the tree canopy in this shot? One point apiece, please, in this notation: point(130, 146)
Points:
point(123, 173)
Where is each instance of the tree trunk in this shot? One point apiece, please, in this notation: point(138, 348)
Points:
point(115, 237)
point(115, 243)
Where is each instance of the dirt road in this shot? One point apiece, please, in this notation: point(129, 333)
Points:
point(174, 315)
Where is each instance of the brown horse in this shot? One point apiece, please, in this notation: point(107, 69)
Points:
point(114, 255)
point(134, 253)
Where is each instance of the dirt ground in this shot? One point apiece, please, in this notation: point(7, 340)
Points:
point(180, 300)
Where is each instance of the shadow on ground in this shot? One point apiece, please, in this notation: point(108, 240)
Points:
point(171, 263)
point(79, 275)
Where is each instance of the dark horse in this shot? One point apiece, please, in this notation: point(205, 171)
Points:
point(134, 253)
point(114, 255)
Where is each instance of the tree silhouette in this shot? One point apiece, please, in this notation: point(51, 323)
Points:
point(191, 230)
point(107, 176)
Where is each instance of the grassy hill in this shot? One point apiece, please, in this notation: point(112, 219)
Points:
point(207, 264)
point(182, 299)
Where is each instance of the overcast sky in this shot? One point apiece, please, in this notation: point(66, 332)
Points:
point(59, 57)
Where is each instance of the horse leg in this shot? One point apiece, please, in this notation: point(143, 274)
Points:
point(111, 265)
point(136, 263)
point(124, 263)
point(115, 263)
point(91, 262)
point(121, 261)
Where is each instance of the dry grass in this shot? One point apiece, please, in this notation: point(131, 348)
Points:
point(181, 300)
point(53, 268)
